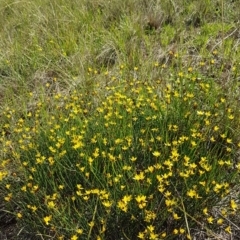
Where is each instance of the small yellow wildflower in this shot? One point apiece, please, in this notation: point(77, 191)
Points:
point(164, 234)
point(24, 188)
point(153, 236)
point(141, 200)
point(122, 205)
point(182, 230)
point(175, 231)
point(91, 224)
point(79, 231)
point(141, 235)
point(220, 221)
point(156, 154)
point(51, 204)
point(189, 237)
point(107, 204)
point(133, 159)
point(169, 202)
point(192, 193)
point(205, 211)
point(228, 229)
point(127, 198)
point(150, 228)
point(175, 216)
point(74, 237)
point(8, 197)
point(47, 219)
point(233, 205)
point(210, 219)
point(139, 176)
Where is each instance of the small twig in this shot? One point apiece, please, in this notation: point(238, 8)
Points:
point(20, 231)
point(185, 217)
point(93, 218)
point(184, 211)
point(125, 236)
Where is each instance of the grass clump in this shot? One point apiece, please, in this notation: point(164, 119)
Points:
point(139, 161)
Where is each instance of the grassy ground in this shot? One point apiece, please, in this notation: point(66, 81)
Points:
point(119, 119)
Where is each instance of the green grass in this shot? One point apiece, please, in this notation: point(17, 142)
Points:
point(120, 120)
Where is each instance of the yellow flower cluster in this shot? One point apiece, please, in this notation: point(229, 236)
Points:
point(133, 160)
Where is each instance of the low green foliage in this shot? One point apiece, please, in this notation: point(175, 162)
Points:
point(147, 161)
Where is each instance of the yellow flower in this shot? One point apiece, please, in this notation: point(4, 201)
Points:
point(220, 221)
point(127, 198)
point(229, 140)
point(19, 215)
point(133, 159)
point(167, 194)
point(34, 208)
point(200, 113)
point(51, 204)
point(122, 205)
point(233, 205)
point(153, 236)
point(79, 231)
point(193, 143)
point(107, 204)
point(210, 219)
point(74, 237)
point(150, 228)
point(24, 188)
point(8, 197)
point(170, 202)
point(141, 235)
point(192, 193)
point(175, 231)
point(91, 224)
point(139, 176)
point(156, 154)
point(228, 229)
point(175, 216)
point(189, 237)
point(141, 200)
point(164, 234)
point(47, 219)
point(205, 211)
point(224, 212)
point(182, 230)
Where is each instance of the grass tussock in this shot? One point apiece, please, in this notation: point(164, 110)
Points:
point(128, 125)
